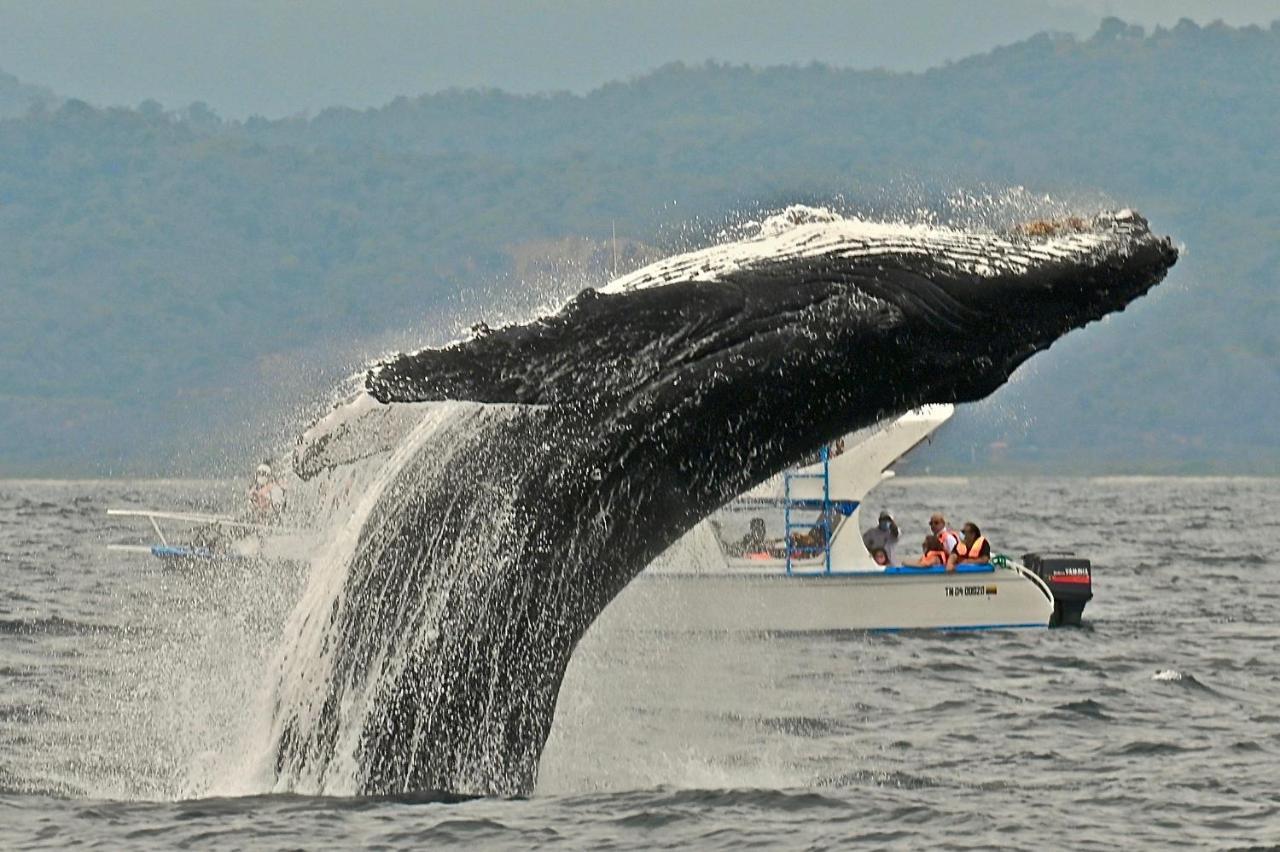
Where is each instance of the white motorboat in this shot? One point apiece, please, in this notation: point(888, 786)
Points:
point(976, 597)
point(816, 574)
point(288, 533)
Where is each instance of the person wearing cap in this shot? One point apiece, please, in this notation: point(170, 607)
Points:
point(948, 537)
point(266, 495)
point(973, 549)
point(883, 536)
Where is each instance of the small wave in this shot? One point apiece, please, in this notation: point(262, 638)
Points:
point(1233, 559)
point(51, 626)
point(703, 800)
point(1147, 747)
point(1182, 679)
point(1088, 708)
point(650, 818)
point(802, 726)
point(1061, 661)
point(864, 777)
point(946, 707)
point(32, 507)
point(950, 666)
point(463, 831)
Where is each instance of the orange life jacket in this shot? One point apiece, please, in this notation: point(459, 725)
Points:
point(963, 550)
point(935, 557)
point(942, 535)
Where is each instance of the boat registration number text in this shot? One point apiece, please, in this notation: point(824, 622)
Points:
point(969, 591)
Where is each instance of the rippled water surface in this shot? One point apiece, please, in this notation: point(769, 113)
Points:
point(126, 687)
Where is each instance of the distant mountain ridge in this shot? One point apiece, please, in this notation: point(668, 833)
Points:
point(181, 278)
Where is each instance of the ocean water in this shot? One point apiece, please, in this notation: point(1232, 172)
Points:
point(126, 688)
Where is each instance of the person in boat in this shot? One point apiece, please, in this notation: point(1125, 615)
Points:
point(266, 494)
point(883, 535)
point(934, 555)
point(948, 537)
point(816, 538)
point(972, 549)
point(756, 539)
point(879, 556)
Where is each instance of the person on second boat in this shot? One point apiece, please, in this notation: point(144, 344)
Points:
point(948, 537)
point(973, 549)
point(933, 553)
point(755, 542)
point(883, 536)
point(266, 495)
point(814, 541)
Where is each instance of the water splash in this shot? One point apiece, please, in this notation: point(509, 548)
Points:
point(311, 743)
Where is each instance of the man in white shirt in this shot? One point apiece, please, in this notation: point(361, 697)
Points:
point(947, 536)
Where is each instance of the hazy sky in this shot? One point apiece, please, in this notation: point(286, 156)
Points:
point(278, 57)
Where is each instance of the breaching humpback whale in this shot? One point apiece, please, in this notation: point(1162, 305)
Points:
point(554, 459)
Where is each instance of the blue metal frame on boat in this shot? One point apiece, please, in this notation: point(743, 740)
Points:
point(824, 519)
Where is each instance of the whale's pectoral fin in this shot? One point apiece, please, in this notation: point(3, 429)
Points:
point(355, 429)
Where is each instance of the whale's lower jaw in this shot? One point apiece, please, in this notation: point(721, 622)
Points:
point(628, 417)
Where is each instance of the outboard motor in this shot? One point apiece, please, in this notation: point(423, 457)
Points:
point(1069, 577)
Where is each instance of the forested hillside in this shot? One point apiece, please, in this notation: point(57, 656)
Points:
point(169, 276)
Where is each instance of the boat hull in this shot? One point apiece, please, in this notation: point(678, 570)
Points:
point(897, 599)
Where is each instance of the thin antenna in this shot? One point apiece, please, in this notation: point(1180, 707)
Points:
point(614, 223)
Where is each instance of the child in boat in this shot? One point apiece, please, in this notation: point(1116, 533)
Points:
point(933, 552)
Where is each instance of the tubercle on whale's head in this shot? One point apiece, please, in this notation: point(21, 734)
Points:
point(1054, 277)
point(1063, 274)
